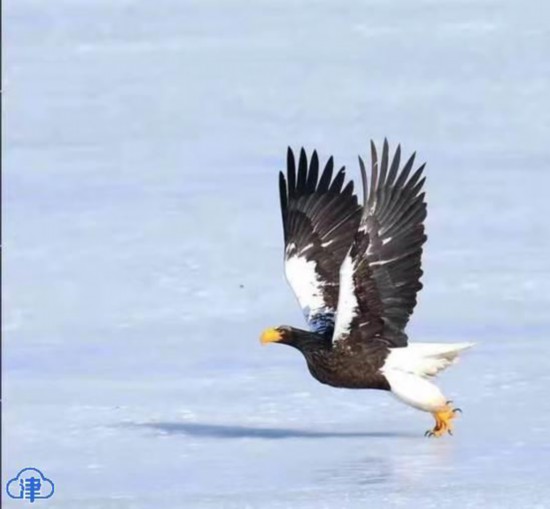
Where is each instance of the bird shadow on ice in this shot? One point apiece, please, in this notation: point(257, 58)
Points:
point(225, 431)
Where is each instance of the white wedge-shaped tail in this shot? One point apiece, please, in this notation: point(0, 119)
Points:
point(409, 369)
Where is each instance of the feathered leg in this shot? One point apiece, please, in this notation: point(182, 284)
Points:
point(422, 394)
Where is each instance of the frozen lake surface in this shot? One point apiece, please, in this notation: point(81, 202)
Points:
point(143, 249)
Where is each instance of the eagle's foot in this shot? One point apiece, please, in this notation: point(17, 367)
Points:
point(443, 421)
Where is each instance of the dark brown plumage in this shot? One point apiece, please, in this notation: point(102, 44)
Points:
point(350, 366)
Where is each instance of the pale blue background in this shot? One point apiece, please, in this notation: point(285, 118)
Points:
point(142, 141)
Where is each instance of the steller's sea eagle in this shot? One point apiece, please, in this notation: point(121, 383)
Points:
point(355, 270)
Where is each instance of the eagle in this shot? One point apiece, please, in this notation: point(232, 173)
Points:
point(355, 269)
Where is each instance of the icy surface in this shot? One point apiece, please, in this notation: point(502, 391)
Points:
point(143, 249)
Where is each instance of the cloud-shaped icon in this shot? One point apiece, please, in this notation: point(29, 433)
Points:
point(31, 484)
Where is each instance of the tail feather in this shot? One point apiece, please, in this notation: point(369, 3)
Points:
point(425, 359)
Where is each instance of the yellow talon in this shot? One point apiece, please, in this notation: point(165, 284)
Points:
point(443, 421)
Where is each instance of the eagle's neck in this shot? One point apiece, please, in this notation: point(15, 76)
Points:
point(310, 342)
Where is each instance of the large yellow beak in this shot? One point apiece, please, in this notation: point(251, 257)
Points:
point(270, 336)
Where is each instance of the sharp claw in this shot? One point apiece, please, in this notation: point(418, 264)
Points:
point(443, 418)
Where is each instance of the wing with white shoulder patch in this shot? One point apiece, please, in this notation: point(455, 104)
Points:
point(320, 217)
point(380, 276)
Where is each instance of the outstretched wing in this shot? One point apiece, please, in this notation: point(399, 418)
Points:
point(320, 218)
point(380, 276)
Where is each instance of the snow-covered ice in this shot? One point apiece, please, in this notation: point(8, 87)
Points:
point(143, 249)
